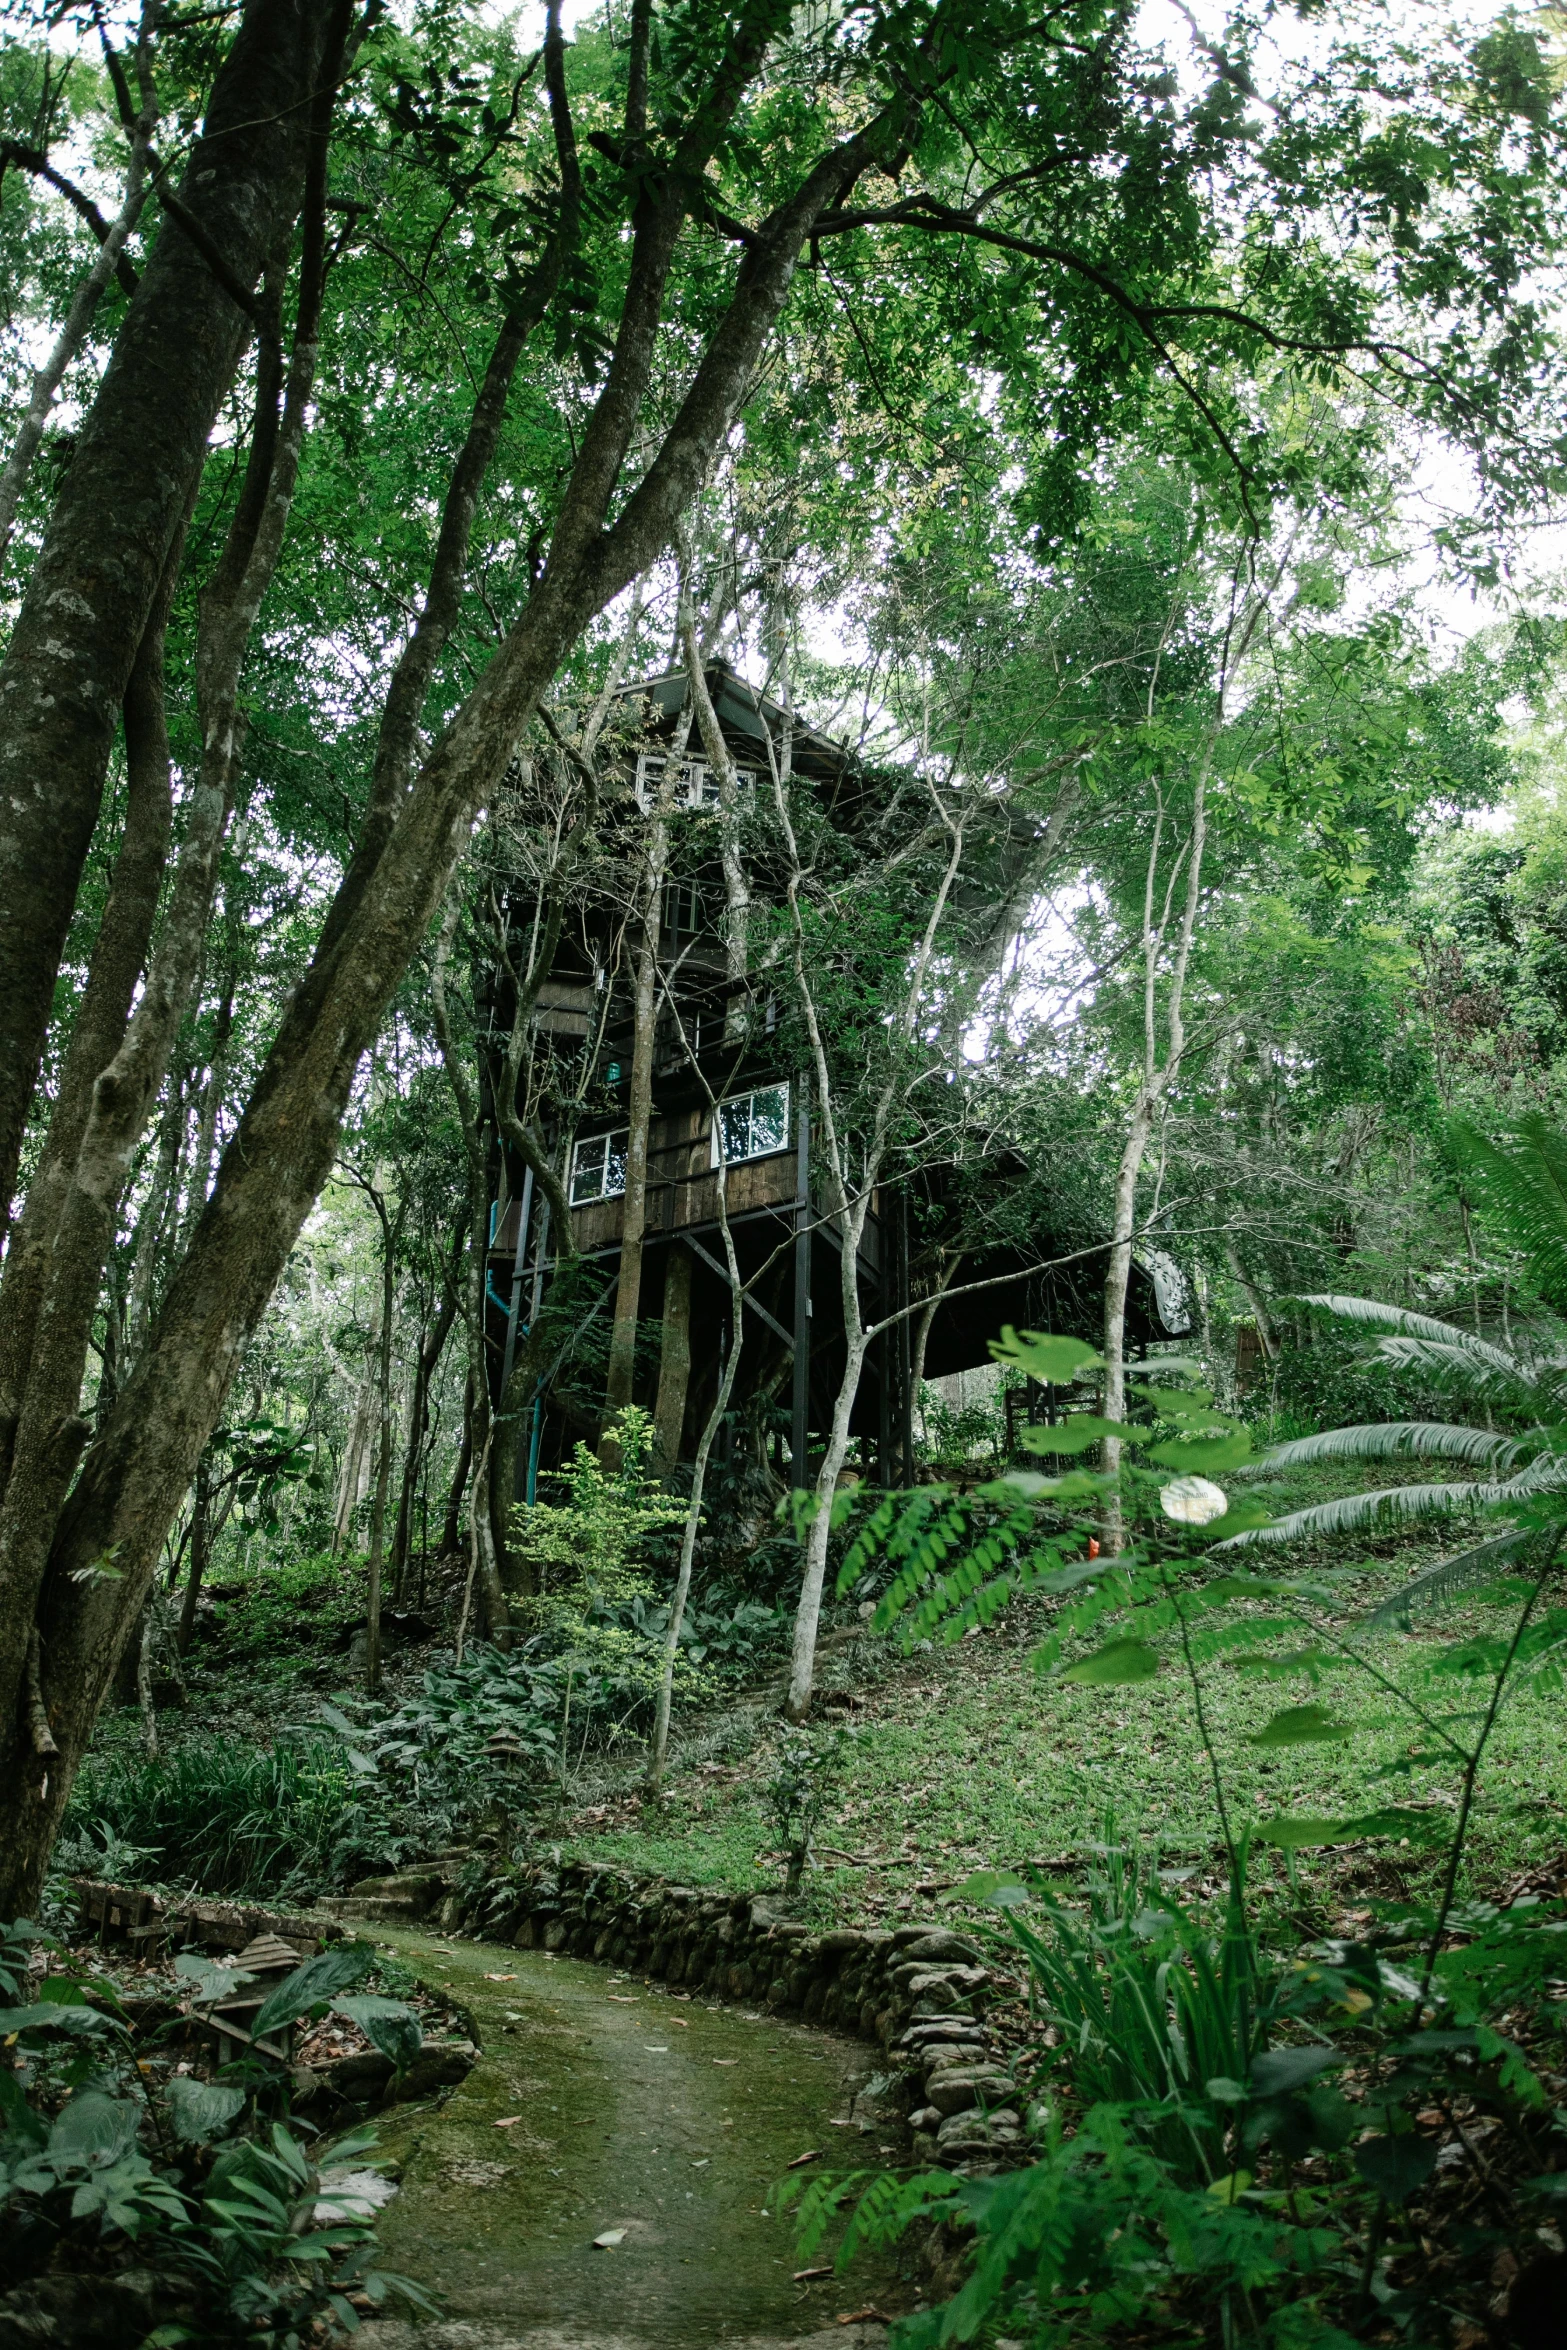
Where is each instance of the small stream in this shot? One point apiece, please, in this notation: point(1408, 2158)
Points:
point(605, 2104)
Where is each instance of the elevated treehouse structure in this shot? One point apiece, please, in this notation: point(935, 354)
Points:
point(724, 1041)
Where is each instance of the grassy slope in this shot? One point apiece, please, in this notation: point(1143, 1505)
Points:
point(965, 1757)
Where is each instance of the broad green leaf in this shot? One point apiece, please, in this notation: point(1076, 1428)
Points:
point(1055, 1362)
point(1396, 2167)
point(94, 2129)
point(388, 2024)
point(1279, 2072)
point(209, 1981)
point(319, 1980)
point(1118, 1661)
point(201, 2108)
point(999, 1887)
point(1301, 1725)
point(1074, 1434)
point(1231, 2187)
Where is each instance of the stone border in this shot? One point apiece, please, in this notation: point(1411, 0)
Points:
point(919, 1991)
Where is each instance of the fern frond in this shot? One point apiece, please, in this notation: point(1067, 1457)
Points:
point(1381, 1440)
point(1394, 1506)
point(1373, 1314)
point(1465, 1370)
point(1522, 1186)
point(1447, 1580)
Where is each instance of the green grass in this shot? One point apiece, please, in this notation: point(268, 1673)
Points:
point(967, 1758)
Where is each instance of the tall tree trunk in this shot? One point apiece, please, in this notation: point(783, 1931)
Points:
point(138, 456)
point(117, 963)
point(674, 1362)
point(391, 1230)
point(486, 1570)
point(200, 1539)
point(430, 1353)
point(451, 1526)
point(639, 1110)
point(286, 1141)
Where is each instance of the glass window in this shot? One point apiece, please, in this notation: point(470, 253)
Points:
point(598, 1168)
point(694, 785)
point(754, 1126)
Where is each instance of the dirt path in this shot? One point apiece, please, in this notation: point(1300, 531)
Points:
point(625, 2108)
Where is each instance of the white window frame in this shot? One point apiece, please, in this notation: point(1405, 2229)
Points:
point(744, 1101)
point(596, 1150)
point(696, 785)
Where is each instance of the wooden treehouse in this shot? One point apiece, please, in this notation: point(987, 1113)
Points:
point(721, 1041)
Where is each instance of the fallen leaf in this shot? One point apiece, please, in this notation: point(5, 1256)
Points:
point(510, 2123)
point(680, 2023)
point(801, 2160)
point(808, 2276)
point(858, 2317)
point(621, 1998)
point(500, 1978)
point(609, 2239)
point(648, 2049)
point(726, 2060)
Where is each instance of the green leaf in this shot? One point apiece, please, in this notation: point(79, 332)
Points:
point(1396, 2167)
point(1203, 1455)
point(94, 2129)
point(209, 1981)
point(201, 2108)
point(1301, 1725)
point(1074, 1434)
point(1279, 2072)
point(1118, 1661)
point(1055, 1362)
point(999, 1887)
point(318, 1981)
point(388, 2024)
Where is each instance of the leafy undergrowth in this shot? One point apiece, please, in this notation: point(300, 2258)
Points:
point(963, 1758)
point(144, 2179)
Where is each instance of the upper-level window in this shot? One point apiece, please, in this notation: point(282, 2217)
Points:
point(598, 1168)
point(694, 785)
point(753, 1126)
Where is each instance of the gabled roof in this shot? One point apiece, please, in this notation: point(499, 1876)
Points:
point(746, 715)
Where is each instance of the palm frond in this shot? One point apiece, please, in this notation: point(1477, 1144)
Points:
point(1522, 1187)
point(1447, 1580)
point(1394, 1506)
point(1466, 1370)
point(1417, 1439)
point(1373, 1314)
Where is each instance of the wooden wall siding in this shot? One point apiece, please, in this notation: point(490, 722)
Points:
point(686, 1193)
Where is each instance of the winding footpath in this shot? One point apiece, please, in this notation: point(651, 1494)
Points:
point(603, 2106)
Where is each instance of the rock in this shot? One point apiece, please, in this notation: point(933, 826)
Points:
point(844, 1938)
point(915, 1981)
point(944, 2055)
point(938, 1944)
point(954, 2088)
point(928, 2118)
point(977, 2133)
point(955, 2031)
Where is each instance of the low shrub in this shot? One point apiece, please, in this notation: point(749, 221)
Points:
point(213, 1816)
point(108, 2175)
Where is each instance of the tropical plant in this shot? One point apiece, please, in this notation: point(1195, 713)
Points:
point(806, 1771)
point(253, 2237)
point(1200, 2056)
